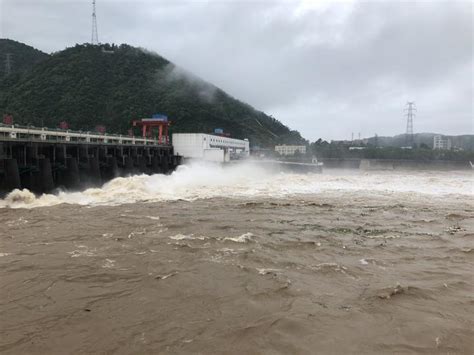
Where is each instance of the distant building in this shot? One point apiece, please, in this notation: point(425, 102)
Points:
point(441, 143)
point(290, 149)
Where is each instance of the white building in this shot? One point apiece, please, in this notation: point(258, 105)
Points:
point(290, 149)
point(209, 147)
point(441, 143)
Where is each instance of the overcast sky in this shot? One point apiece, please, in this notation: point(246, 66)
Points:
point(324, 68)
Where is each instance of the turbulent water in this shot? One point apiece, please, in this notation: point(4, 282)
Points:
point(242, 260)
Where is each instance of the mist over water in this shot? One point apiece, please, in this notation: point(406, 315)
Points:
point(203, 180)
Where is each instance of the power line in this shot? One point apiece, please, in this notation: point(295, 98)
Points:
point(94, 35)
point(8, 63)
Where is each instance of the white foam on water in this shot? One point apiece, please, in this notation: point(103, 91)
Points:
point(78, 253)
point(17, 222)
point(186, 237)
point(244, 238)
point(264, 271)
point(108, 264)
point(228, 250)
point(82, 250)
point(164, 277)
point(201, 180)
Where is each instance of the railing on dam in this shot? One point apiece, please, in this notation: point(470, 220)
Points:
point(28, 133)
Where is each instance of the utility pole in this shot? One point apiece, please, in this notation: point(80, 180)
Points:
point(410, 110)
point(8, 64)
point(94, 35)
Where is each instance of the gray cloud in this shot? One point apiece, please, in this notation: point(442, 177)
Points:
point(324, 68)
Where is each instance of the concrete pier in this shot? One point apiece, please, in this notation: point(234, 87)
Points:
point(70, 175)
point(41, 164)
point(11, 175)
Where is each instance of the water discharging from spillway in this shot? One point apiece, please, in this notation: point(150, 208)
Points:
point(201, 181)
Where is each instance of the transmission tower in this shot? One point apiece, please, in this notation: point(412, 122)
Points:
point(410, 110)
point(8, 63)
point(94, 36)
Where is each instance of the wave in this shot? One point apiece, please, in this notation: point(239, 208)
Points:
point(201, 180)
point(244, 238)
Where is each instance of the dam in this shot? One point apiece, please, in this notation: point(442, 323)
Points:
point(42, 159)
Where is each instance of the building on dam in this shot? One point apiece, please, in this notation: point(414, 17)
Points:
point(290, 149)
point(209, 147)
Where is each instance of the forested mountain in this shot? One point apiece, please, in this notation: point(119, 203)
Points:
point(109, 85)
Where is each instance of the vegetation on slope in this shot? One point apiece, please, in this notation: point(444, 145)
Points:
point(465, 141)
point(325, 150)
point(22, 59)
point(89, 85)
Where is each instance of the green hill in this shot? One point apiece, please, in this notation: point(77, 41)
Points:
point(110, 85)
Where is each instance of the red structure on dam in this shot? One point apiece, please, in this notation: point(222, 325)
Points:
point(156, 122)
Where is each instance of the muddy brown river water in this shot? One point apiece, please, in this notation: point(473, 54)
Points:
point(340, 263)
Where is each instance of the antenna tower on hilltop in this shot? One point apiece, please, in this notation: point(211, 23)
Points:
point(94, 36)
point(410, 113)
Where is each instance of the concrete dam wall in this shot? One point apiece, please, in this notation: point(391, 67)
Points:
point(42, 165)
